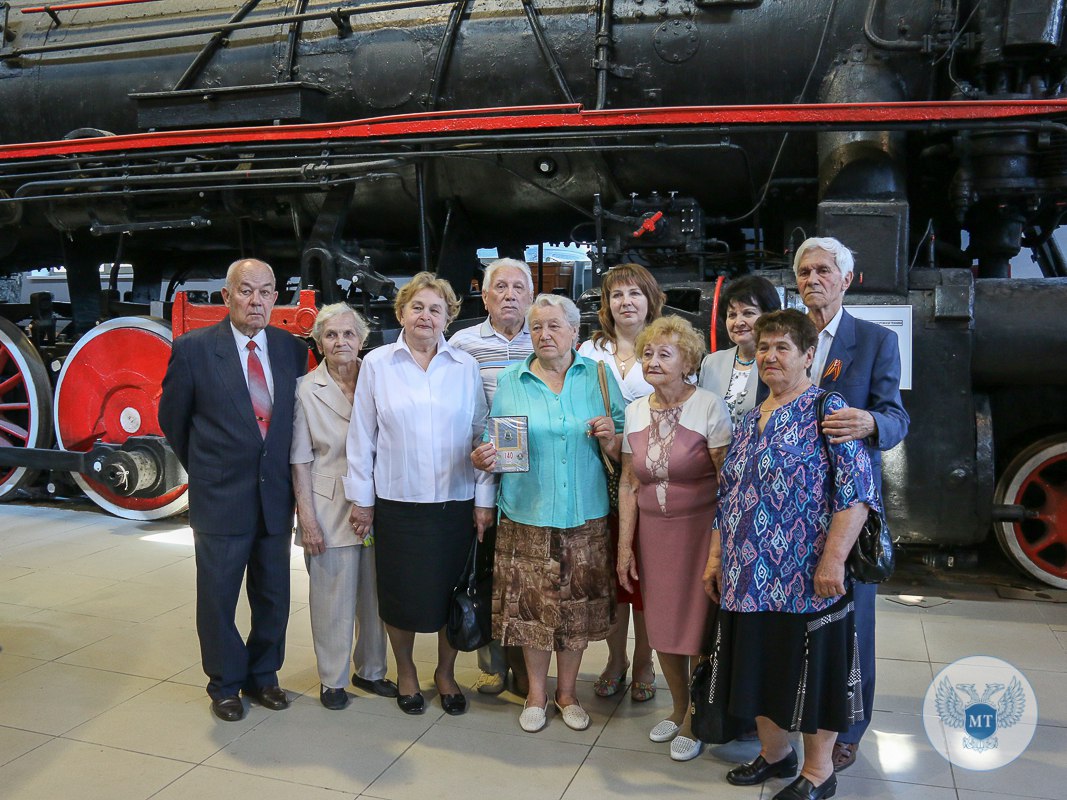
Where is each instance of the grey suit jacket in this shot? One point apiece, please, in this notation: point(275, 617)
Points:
point(715, 372)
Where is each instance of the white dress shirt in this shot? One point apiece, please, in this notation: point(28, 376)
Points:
point(822, 349)
point(261, 350)
point(412, 430)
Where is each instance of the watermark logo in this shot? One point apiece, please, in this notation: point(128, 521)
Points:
point(980, 713)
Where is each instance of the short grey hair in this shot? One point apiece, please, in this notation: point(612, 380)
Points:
point(513, 263)
point(570, 310)
point(239, 264)
point(843, 257)
point(326, 313)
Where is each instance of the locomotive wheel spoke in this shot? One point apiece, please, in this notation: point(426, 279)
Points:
point(14, 430)
point(10, 384)
point(25, 403)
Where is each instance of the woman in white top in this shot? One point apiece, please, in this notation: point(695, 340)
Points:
point(729, 373)
point(630, 298)
point(419, 410)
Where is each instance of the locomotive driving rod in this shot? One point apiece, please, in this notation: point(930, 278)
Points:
point(144, 465)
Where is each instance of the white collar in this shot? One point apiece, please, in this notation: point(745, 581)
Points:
point(832, 326)
point(442, 347)
point(242, 341)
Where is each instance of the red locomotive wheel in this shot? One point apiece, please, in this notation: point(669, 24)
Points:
point(1037, 480)
point(25, 402)
point(109, 390)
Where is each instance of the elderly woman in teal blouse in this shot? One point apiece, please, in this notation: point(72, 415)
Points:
point(553, 586)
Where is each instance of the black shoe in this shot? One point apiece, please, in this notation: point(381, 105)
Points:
point(333, 699)
point(803, 789)
point(454, 704)
point(272, 697)
point(411, 703)
point(383, 687)
point(228, 709)
point(759, 770)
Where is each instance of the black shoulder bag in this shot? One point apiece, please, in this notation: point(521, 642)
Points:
point(469, 623)
point(871, 559)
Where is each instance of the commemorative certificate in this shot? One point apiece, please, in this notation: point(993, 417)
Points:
point(509, 436)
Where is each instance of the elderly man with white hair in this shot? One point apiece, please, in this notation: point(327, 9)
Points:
point(861, 361)
point(499, 341)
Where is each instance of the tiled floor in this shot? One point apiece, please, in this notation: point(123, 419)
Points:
point(101, 696)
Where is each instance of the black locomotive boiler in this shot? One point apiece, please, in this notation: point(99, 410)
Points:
point(352, 143)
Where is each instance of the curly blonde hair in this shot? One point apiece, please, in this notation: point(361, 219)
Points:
point(678, 332)
point(427, 280)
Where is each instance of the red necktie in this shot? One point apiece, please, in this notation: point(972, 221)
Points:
point(257, 388)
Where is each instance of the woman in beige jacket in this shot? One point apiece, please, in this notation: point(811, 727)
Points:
point(343, 592)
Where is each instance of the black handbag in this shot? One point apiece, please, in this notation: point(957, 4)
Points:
point(469, 623)
point(612, 470)
point(871, 559)
point(711, 722)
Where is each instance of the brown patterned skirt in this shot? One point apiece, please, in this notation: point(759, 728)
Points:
point(552, 587)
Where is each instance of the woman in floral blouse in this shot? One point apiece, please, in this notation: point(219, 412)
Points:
point(785, 645)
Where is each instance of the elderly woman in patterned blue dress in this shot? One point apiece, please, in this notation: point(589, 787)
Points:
point(790, 507)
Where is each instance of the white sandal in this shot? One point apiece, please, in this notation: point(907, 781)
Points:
point(663, 732)
point(685, 749)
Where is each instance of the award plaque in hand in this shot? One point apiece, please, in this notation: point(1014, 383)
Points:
point(509, 436)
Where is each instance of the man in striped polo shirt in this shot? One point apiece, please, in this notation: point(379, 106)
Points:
point(501, 340)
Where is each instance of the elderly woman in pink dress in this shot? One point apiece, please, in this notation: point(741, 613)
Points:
point(673, 446)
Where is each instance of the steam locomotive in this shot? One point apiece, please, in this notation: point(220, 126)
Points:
point(350, 144)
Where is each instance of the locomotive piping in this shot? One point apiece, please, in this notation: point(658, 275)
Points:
point(208, 51)
point(534, 19)
point(444, 54)
point(335, 14)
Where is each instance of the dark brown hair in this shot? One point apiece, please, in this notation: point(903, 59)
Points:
point(800, 330)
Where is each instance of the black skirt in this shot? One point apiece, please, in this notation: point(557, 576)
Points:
point(800, 670)
point(420, 551)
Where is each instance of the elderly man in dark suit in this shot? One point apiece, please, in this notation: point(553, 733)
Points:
point(860, 360)
point(227, 410)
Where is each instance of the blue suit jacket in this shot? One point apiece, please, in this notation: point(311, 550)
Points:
point(206, 414)
point(868, 378)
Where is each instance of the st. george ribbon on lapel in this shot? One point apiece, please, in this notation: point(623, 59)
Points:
point(833, 371)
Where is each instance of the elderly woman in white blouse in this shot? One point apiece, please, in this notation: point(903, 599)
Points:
point(419, 411)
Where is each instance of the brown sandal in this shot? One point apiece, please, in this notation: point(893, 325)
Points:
point(844, 755)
